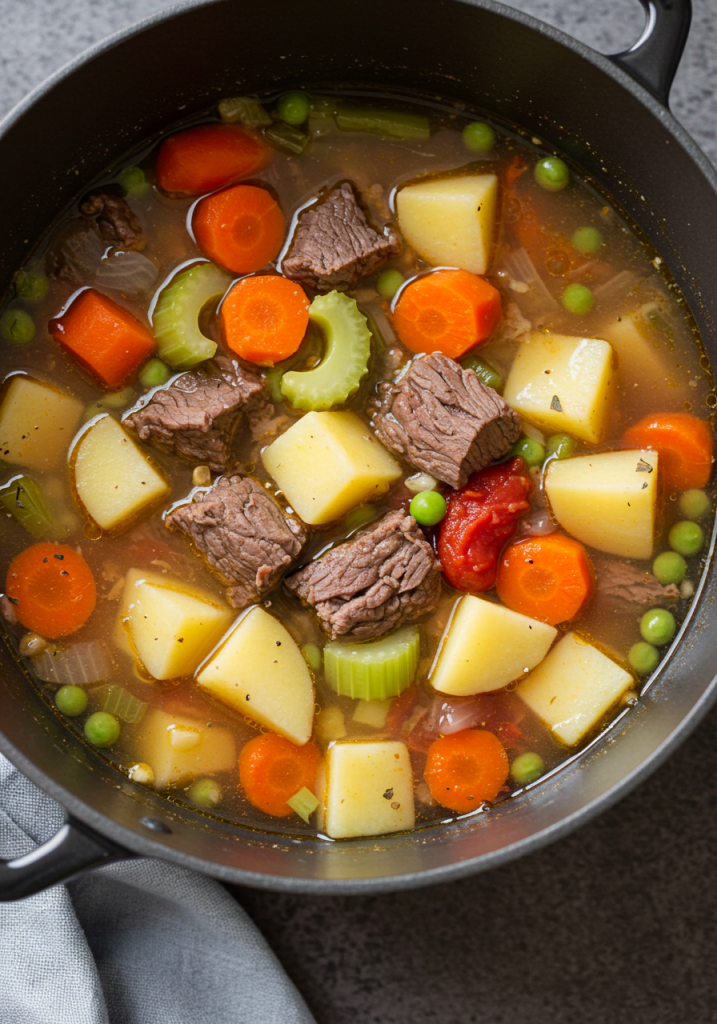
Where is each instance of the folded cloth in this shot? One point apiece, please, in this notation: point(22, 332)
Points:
point(137, 942)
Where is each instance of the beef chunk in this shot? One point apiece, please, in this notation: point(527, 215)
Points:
point(242, 534)
point(114, 220)
point(442, 420)
point(195, 417)
point(624, 585)
point(75, 254)
point(334, 245)
point(374, 583)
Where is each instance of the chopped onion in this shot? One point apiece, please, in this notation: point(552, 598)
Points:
point(420, 482)
point(128, 272)
point(77, 665)
point(526, 282)
point(538, 524)
point(616, 289)
point(455, 715)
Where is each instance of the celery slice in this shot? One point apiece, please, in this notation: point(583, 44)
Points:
point(396, 124)
point(304, 803)
point(287, 137)
point(244, 109)
point(180, 342)
point(376, 670)
point(345, 362)
point(22, 497)
point(117, 701)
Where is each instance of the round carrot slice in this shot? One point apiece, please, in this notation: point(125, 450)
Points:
point(272, 770)
point(547, 578)
point(52, 589)
point(241, 228)
point(265, 318)
point(684, 443)
point(465, 769)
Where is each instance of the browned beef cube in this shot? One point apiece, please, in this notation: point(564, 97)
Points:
point(242, 534)
point(195, 416)
point(373, 584)
point(115, 220)
point(624, 586)
point(444, 421)
point(334, 245)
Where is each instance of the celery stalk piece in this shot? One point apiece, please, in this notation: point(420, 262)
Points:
point(287, 137)
point(180, 342)
point(485, 373)
point(376, 670)
point(395, 124)
point(117, 701)
point(304, 803)
point(345, 362)
point(22, 497)
point(244, 110)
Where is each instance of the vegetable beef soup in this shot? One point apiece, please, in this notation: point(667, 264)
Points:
point(355, 465)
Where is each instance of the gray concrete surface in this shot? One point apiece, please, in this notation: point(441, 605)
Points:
point(614, 924)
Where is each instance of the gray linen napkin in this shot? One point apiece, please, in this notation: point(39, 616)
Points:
point(141, 942)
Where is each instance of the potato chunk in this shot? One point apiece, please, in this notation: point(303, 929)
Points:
point(327, 463)
point(369, 788)
point(37, 423)
point(451, 222)
point(486, 646)
point(607, 500)
point(169, 625)
point(573, 688)
point(640, 358)
point(113, 479)
point(179, 749)
point(562, 384)
point(260, 671)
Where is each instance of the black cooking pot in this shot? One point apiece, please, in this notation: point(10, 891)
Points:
point(609, 116)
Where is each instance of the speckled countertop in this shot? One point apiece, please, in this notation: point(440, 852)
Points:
point(614, 924)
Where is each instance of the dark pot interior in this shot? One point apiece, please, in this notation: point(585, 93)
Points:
point(493, 60)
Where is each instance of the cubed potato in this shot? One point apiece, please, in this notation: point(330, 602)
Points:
point(607, 500)
point(369, 788)
point(328, 462)
point(451, 222)
point(114, 481)
point(640, 358)
point(37, 423)
point(170, 626)
point(574, 688)
point(562, 384)
point(179, 749)
point(372, 713)
point(260, 671)
point(330, 725)
point(486, 646)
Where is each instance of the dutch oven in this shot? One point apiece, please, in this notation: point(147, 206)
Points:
point(609, 116)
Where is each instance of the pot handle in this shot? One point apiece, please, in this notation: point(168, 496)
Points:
point(70, 852)
point(654, 58)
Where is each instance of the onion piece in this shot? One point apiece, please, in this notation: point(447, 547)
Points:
point(537, 524)
point(530, 290)
point(77, 665)
point(128, 272)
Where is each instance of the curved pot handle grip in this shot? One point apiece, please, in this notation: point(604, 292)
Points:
point(71, 851)
point(654, 58)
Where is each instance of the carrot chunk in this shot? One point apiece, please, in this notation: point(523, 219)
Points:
point(208, 157)
point(272, 770)
point(104, 338)
point(547, 578)
point(265, 318)
point(242, 228)
point(449, 311)
point(466, 768)
point(52, 589)
point(684, 443)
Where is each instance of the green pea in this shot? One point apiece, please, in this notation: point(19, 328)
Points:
point(71, 700)
point(479, 137)
point(577, 299)
point(154, 373)
point(133, 181)
point(669, 567)
point(587, 241)
point(686, 538)
point(427, 507)
point(205, 792)
point(527, 768)
point(102, 729)
point(31, 286)
point(561, 445)
point(694, 504)
point(643, 657)
point(17, 327)
point(313, 655)
point(532, 451)
point(293, 107)
point(552, 173)
point(388, 283)
point(658, 626)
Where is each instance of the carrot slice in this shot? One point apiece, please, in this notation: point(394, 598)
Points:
point(547, 578)
point(52, 589)
point(104, 338)
point(466, 768)
point(272, 770)
point(265, 318)
point(448, 311)
point(684, 443)
point(208, 157)
point(242, 228)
